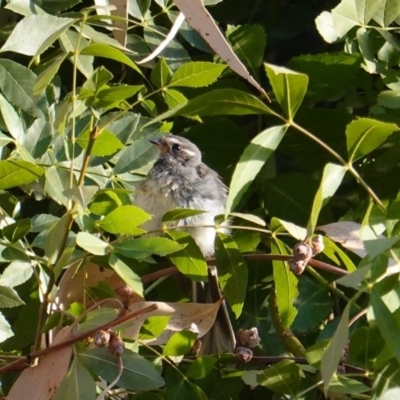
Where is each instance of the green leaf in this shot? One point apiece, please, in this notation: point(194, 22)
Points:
point(107, 51)
point(285, 286)
point(57, 182)
point(314, 305)
point(16, 273)
point(92, 244)
point(105, 144)
point(365, 135)
point(5, 329)
point(387, 324)
point(9, 298)
point(138, 373)
point(54, 237)
point(12, 120)
point(179, 344)
point(387, 12)
point(161, 74)
point(283, 377)
point(135, 156)
point(182, 389)
point(105, 202)
point(126, 274)
point(17, 173)
point(232, 271)
point(201, 367)
point(253, 158)
point(145, 247)
point(41, 222)
point(124, 219)
point(180, 213)
point(29, 37)
point(331, 180)
point(153, 326)
point(389, 98)
point(289, 87)
point(218, 102)
point(196, 74)
point(332, 75)
point(97, 318)
point(113, 96)
point(190, 260)
point(334, 351)
point(38, 137)
point(17, 230)
point(77, 384)
point(82, 195)
point(173, 98)
point(72, 43)
point(248, 42)
point(16, 83)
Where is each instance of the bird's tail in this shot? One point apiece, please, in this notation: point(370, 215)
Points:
point(221, 337)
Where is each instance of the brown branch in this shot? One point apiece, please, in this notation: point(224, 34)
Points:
point(25, 361)
point(249, 257)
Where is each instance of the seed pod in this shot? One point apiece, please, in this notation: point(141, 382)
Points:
point(248, 337)
point(317, 244)
point(101, 338)
point(116, 345)
point(243, 354)
point(297, 266)
point(302, 251)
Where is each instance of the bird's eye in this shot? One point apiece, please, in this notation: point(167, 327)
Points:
point(176, 147)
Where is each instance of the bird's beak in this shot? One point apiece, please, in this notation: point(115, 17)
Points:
point(160, 144)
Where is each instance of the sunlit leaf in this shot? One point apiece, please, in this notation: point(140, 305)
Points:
point(190, 260)
point(105, 144)
point(9, 298)
point(124, 219)
point(334, 352)
point(331, 180)
point(5, 329)
point(253, 158)
point(110, 52)
point(365, 135)
point(286, 288)
point(126, 274)
point(144, 247)
point(232, 271)
point(196, 74)
point(17, 172)
point(289, 87)
point(180, 213)
point(29, 37)
point(16, 273)
point(92, 244)
point(180, 343)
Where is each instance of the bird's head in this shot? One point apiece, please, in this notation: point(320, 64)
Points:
point(178, 149)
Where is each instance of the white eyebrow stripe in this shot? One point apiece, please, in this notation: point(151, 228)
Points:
point(172, 140)
point(189, 152)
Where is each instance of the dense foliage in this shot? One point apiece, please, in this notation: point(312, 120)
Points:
point(309, 145)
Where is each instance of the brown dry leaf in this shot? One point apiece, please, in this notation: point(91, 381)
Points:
point(72, 285)
point(195, 317)
point(201, 20)
point(351, 235)
point(41, 382)
point(346, 233)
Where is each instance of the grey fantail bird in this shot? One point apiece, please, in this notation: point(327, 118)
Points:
point(179, 179)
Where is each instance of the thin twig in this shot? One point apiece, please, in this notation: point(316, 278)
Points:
point(25, 362)
point(103, 394)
